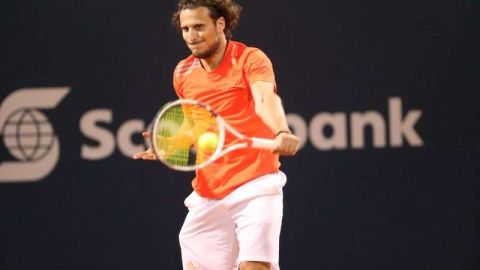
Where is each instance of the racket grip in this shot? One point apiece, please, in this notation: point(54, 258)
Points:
point(264, 143)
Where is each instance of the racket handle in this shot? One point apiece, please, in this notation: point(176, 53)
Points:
point(264, 143)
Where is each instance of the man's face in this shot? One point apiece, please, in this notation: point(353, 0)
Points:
point(200, 32)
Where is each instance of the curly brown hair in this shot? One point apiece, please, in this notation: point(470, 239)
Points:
point(228, 9)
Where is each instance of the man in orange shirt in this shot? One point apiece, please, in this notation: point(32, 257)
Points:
point(235, 211)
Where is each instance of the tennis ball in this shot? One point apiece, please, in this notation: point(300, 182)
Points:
point(207, 142)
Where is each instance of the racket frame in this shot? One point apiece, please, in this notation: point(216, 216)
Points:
point(223, 126)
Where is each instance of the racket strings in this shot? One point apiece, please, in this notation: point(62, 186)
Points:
point(178, 131)
point(172, 142)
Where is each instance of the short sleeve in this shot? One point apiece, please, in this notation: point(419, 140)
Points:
point(177, 84)
point(258, 67)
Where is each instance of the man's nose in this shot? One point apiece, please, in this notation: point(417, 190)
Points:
point(192, 36)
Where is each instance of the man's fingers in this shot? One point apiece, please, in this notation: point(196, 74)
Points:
point(147, 134)
point(137, 155)
point(147, 155)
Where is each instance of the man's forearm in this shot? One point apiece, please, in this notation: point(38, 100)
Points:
point(268, 106)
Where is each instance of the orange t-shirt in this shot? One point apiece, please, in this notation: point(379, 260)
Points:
point(227, 90)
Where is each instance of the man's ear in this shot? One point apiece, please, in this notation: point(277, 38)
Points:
point(220, 24)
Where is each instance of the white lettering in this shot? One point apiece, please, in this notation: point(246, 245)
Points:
point(124, 137)
point(338, 139)
point(358, 122)
point(327, 130)
point(405, 127)
point(104, 137)
point(298, 126)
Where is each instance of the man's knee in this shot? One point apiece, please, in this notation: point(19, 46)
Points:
point(254, 266)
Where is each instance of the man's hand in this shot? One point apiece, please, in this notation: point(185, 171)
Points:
point(287, 144)
point(147, 154)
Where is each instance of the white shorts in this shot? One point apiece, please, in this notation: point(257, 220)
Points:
point(244, 226)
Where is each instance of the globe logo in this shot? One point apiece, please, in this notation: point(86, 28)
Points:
point(28, 135)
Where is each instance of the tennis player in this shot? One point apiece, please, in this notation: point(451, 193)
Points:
point(236, 208)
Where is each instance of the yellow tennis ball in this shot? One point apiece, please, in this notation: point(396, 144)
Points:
point(207, 142)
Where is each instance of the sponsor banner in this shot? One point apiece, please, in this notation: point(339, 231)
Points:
point(31, 141)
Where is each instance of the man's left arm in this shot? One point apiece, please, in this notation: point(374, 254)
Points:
point(268, 106)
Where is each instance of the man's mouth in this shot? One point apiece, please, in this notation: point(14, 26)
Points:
point(195, 44)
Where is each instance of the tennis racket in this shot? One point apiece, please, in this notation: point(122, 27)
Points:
point(188, 135)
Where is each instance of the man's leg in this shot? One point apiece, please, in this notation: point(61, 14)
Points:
point(257, 210)
point(207, 238)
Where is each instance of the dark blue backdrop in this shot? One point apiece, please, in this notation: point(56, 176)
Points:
point(376, 206)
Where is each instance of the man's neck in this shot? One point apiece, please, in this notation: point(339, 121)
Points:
point(214, 61)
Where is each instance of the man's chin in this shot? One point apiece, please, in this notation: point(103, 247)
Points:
point(197, 54)
point(205, 53)
point(201, 54)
